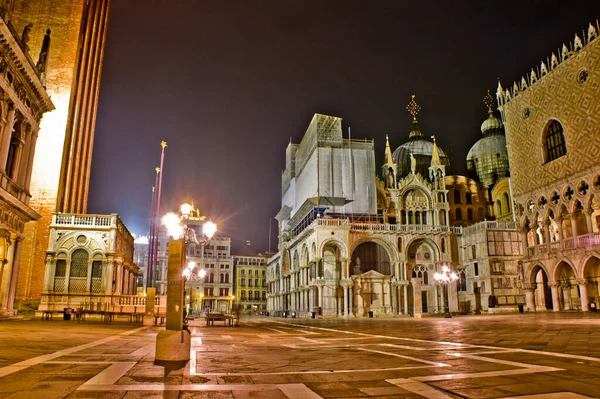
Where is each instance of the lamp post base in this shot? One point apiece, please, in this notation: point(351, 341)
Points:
point(173, 346)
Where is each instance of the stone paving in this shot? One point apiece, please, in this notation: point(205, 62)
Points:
point(544, 355)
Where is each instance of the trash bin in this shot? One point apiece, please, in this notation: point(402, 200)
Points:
point(521, 309)
point(285, 314)
point(593, 307)
point(67, 313)
point(370, 314)
point(313, 315)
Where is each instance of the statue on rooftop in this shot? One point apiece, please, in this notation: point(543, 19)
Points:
point(42, 64)
point(413, 164)
point(25, 37)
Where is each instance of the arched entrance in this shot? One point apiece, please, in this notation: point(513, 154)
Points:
point(329, 271)
point(591, 272)
point(422, 257)
point(371, 271)
point(568, 291)
point(543, 294)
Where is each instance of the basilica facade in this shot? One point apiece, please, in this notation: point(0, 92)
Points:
point(354, 243)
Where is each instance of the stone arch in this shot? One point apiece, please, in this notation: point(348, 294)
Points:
point(591, 274)
point(370, 255)
point(539, 280)
point(422, 254)
point(336, 241)
point(295, 261)
point(563, 265)
point(565, 275)
point(330, 266)
point(313, 251)
point(304, 257)
point(391, 251)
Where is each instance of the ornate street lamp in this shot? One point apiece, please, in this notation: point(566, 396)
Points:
point(444, 278)
point(173, 344)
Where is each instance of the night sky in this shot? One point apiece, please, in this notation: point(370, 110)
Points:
point(228, 83)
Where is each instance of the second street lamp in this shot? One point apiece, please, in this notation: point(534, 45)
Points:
point(444, 278)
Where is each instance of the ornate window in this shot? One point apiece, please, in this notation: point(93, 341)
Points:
point(59, 275)
point(79, 271)
point(554, 141)
point(469, 199)
point(458, 214)
point(456, 196)
point(469, 214)
point(96, 276)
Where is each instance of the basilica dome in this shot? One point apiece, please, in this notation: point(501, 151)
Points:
point(487, 160)
point(421, 150)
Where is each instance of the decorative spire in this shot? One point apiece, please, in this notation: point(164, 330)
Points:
point(413, 108)
point(388, 151)
point(489, 101)
point(435, 155)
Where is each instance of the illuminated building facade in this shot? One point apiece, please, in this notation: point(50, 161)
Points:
point(552, 121)
point(250, 281)
point(23, 102)
point(60, 177)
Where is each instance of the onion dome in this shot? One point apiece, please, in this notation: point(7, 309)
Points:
point(420, 148)
point(487, 160)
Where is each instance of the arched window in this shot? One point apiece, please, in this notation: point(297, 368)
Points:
point(456, 196)
point(469, 214)
point(498, 208)
point(227, 278)
point(554, 141)
point(221, 278)
point(243, 282)
point(243, 295)
point(212, 278)
point(79, 271)
point(59, 275)
point(458, 214)
point(468, 197)
point(506, 202)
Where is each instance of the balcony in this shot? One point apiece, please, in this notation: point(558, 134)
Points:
point(568, 244)
point(82, 220)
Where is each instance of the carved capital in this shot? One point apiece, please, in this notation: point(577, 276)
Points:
point(581, 282)
point(554, 284)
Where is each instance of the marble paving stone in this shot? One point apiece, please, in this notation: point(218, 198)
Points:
point(481, 393)
point(206, 395)
point(340, 393)
point(267, 394)
point(96, 395)
point(151, 395)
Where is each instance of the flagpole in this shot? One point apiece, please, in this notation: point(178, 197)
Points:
point(163, 144)
point(151, 239)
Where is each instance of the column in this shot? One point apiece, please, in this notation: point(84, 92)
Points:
point(524, 240)
point(15, 273)
point(546, 230)
point(6, 136)
point(351, 301)
point(394, 289)
point(119, 279)
point(588, 220)
point(345, 288)
point(555, 298)
point(529, 299)
point(561, 234)
point(16, 160)
point(107, 275)
point(383, 296)
point(405, 298)
point(583, 293)
point(22, 172)
point(573, 226)
point(49, 274)
point(34, 136)
point(417, 301)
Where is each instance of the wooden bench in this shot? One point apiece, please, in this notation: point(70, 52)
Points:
point(160, 317)
point(212, 317)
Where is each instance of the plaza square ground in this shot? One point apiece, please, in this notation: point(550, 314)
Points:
point(543, 355)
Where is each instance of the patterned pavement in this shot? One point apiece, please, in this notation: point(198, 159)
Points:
point(544, 355)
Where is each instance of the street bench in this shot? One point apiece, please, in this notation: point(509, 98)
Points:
point(212, 317)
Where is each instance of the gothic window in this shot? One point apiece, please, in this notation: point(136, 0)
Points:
point(498, 208)
point(458, 214)
point(59, 275)
point(79, 271)
point(96, 276)
point(469, 199)
point(555, 145)
point(456, 196)
point(506, 202)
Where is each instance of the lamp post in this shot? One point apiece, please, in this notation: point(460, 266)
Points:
point(174, 343)
point(444, 278)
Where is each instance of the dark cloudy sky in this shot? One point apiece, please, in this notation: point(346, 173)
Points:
point(228, 83)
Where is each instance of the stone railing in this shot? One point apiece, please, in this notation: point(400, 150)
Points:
point(125, 303)
point(82, 220)
point(386, 227)
point(490, 225)
point(571, 243)
point(14, 189)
